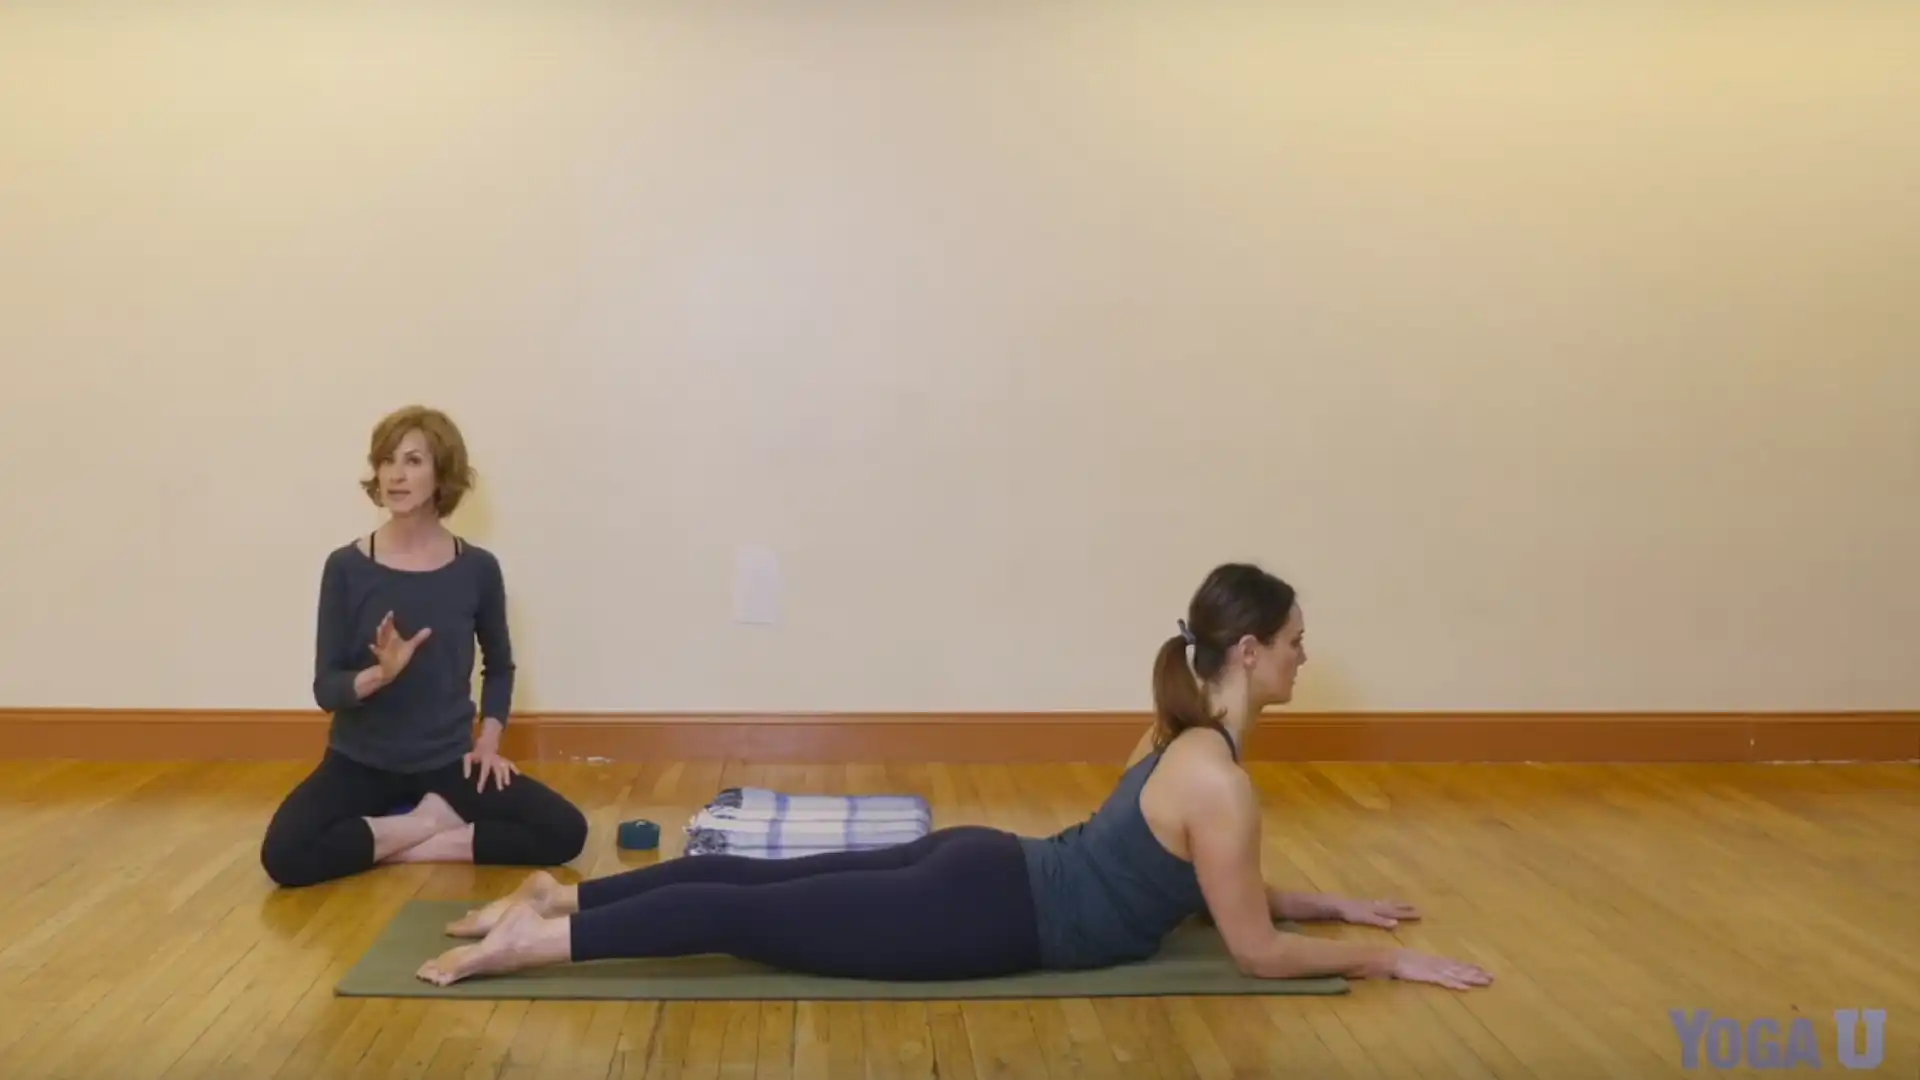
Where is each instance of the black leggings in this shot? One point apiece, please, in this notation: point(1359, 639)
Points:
point(319, 833)
point(953, 904)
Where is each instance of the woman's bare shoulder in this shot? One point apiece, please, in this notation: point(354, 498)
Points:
point(1201, 766)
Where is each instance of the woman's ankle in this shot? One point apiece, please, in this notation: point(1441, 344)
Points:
point(451, 846)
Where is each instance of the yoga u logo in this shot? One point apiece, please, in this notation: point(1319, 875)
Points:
point(1849, 1053)
point(1724, 1042)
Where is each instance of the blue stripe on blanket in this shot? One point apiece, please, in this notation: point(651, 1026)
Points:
point(762, 803)
point(759, 823)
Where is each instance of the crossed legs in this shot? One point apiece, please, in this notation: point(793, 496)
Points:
point(341, 820)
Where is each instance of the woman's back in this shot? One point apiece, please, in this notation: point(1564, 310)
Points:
point(1107, 891)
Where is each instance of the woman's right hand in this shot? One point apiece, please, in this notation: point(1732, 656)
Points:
point(1454, 974)
point(393, 651)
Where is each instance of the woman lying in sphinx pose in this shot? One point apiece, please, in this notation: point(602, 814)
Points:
point(1179, 836)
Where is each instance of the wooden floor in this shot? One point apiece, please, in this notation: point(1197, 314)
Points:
point(139, 938)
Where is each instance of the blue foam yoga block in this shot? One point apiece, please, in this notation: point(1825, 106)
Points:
point(639, 835)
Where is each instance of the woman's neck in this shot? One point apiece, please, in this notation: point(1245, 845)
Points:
point(1236, 712)
point(411, 531)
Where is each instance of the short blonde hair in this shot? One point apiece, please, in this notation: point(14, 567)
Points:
point(453, 475)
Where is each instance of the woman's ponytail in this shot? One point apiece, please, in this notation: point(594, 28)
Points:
point(1179, 703)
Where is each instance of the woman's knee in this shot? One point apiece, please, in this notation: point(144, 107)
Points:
point(566, 833)
point(289, 864)
point(294, 854)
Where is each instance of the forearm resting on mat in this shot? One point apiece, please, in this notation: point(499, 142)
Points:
point(1297, 956)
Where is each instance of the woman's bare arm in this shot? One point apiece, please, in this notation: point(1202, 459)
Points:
point(1224, 836)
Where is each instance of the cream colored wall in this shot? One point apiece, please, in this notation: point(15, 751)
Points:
point(1566, 362)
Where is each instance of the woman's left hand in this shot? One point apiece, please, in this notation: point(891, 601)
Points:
point(1383, 913)
point(484, 760)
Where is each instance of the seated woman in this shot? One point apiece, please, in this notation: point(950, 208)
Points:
point(1179, 836)
point(400, 612)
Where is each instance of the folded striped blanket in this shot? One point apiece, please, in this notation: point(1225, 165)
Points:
point(759, 823)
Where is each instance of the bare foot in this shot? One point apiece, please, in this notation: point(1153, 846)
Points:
point(521, 939)
point(539, 892)
point(452, 846)
point(437, 810)
point(396, 833)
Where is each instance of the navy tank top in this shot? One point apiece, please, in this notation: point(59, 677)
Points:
point(1105, 891)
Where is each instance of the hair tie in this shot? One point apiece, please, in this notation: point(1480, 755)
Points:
point(1186, 632)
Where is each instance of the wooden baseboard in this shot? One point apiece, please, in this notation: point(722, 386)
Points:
point(127, 734)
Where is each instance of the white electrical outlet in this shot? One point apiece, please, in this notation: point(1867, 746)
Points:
point(756, 586)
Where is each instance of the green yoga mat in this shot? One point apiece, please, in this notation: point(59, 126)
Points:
point(1193, 963)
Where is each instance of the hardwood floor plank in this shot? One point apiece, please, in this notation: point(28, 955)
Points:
point(139, 937)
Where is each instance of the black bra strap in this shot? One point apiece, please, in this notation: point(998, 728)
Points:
point(459, 545)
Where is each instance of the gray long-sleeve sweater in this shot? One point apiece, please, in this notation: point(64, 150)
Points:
point(423, 719)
